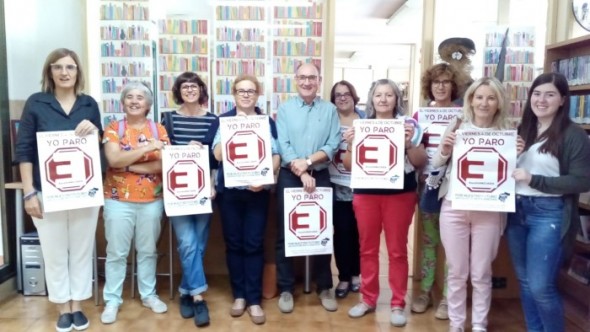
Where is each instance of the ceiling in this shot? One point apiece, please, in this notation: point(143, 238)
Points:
point(367, 31)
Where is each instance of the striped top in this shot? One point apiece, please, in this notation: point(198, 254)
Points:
point(188, 128)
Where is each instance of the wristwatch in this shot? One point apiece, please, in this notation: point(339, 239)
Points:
point(308, 161)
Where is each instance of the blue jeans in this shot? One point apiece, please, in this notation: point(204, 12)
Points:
point(320, 265)
point(124, 221)
point(534, 239)
point(192, 232)
point(243, 219)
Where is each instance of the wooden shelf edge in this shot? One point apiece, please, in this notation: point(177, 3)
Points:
point(581, 87)
point(569, 43)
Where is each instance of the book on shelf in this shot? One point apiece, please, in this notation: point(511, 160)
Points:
point(575, 69)
point(579, 268)
point(580, 109)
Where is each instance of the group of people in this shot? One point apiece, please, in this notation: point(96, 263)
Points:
point(308, 134)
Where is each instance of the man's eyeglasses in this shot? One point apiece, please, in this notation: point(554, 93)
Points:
point(303, 78)
point(345, 95)
point(246, 93)
point(443, 82)
point(187, 87)
point(58, 67)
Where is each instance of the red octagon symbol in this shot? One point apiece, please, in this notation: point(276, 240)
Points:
point(175, 184)
point(303, 230)
point(466, 177)
point(245, 141)
point(337, 162)
point(384, 153)
point(64, 157)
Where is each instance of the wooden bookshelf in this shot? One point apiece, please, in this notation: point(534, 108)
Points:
point(576, 294)
point(183, 45)
point(126, 52)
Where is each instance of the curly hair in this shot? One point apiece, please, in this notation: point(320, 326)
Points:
point(189, 77)
point(436, 71)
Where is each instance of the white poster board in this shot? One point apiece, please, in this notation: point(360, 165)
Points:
point(434, 122)
point(186, 180)
point(308, 222)
point(70, 170)
point(246, 150)
point(338, 174)
point(378, 154)
point(483, 162)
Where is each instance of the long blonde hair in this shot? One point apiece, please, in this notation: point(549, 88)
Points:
point(500, 120)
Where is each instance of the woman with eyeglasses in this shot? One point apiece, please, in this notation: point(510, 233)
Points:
point(440, 86)
point(67, 237)
point(244, 211)
point(190, 125)
point(346, 235)
point(133, 202)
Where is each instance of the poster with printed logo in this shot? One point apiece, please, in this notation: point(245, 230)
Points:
point(338, 174)
point(378, 154)
point(186, 180)
point(434, 121)
point(308, 222)
point(70, 170)
point(246, 150)
point(483, 162)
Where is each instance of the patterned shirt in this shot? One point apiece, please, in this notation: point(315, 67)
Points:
point(129, 186)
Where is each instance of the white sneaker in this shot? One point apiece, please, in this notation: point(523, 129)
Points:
point(154, 303)
point(398, 317)
point(359, 310)
point(109, 315)
point(286, 302)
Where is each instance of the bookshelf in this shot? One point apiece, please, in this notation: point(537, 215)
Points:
point(572, 58)
point(298, 34)
point(559, 57)
point(126, 51)
point(519, 70)
point(240, 47)
point(183, 45)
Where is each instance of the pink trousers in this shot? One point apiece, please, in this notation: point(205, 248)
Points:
point(471, 240)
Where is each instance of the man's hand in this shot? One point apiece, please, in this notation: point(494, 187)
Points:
point(308, 182)
point(298, 166)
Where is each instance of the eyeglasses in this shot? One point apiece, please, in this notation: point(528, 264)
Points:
point(246, 93)
point(187, 87)
point(303, 78)
point(58, 67)
point(345, 95)
point(443, 82)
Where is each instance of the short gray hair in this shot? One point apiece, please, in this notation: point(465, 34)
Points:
point(147, 93)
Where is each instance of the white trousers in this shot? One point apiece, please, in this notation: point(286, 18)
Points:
point(67, 242)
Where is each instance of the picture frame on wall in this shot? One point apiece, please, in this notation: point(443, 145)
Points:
point(14, 124)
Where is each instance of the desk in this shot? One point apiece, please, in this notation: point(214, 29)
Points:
point(20, 226)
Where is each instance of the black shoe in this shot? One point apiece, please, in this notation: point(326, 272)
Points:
point(341, 293)
point(186, 306)
point(201, 313)
point(64, 323)
point(80, 321)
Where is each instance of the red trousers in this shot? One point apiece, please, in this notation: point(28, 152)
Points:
point(392, 214)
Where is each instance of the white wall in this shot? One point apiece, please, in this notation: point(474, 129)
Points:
point(34, 28)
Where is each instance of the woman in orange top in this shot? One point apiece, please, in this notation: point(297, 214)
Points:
point(133, 199)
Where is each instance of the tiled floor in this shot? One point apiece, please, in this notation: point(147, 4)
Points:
point(33, 314)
